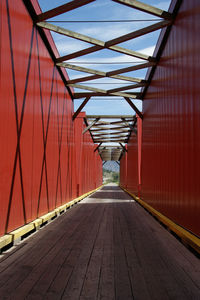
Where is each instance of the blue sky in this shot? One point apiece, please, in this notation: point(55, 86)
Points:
point(105, 10)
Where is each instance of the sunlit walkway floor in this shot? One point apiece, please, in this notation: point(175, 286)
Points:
point(105, 247)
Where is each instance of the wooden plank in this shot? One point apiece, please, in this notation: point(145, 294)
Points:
point(108, 247)
point(62, 9)
point(101, 91)
point(138, 33)
point(81, 69)
point(90, 125)
point(122, 283)
point(40, 281)
point(78, 53)
point(107, 134)
point(88, 88)
point(86, 78)
point(75, 115)
point(132, 68)
point(70, 33)
point(97, 48)
point(128, 87)
point(106, 288)
point(146, 8)
point(157, 276)
point(109, 128)
point(120, 77)
point(102, 95)
point(77, 279)
point(112, 141)
point(126, 78)
point(109, 116)
point(32, 255)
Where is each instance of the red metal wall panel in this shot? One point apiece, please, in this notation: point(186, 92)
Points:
point(171, 125)
point(88, 162)
point(38, 167)
point(130, 164)
point(123, 171)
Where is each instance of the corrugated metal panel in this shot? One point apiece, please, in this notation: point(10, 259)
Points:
point(171, 125)
point(38, 167)
point(130, 164)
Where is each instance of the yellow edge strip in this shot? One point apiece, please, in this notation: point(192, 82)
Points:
point(187, 237)
point(16, 234)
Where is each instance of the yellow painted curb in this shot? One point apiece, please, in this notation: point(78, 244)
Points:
point(186, 236)
point(18, 233)
point(5, 240)
point(37, 222)
point(48, 216)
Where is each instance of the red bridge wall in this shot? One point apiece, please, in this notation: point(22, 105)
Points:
point(39, 169)
point(171, 125)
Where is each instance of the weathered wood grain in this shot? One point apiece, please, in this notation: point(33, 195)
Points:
point(105, 247)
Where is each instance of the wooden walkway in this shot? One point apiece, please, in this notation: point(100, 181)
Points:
point(105, 247)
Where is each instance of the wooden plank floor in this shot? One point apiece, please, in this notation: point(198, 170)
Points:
point(105, 247)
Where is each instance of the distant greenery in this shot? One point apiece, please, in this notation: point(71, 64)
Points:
point(110, 176)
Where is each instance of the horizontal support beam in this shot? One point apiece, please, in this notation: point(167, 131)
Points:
point(112, 141)
point(79, 96)
point(78, 53)
point(62, 9)
point(86, 78)
point(96, 48)
point(129, 87)
point(137, 33)
point(114, 123)
point(110, 116)
point(70, 33)
point(132, 68)
point(101, 91)
point(119, 77)
point(81, 69)
point(90, 125)
point(145, 8)
point(108, 134)
point(110, 128)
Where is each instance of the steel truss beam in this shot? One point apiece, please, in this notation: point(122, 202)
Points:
point(110, 131)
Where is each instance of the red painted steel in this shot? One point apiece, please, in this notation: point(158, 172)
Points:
point(39, 167)
point(171, 125)
point(130, 164)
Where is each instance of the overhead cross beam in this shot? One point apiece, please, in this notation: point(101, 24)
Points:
point(146, 8)
point(90, 125)
point(101, 91)
point(111, 74)
point(62, 9)
point(93, 77)
point(103, 95)
point(104, 132)
point(99, 45)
